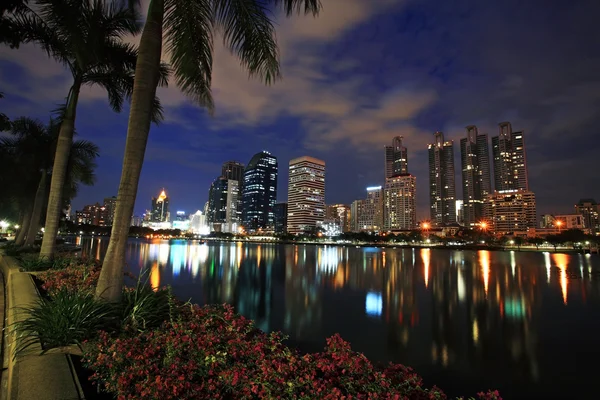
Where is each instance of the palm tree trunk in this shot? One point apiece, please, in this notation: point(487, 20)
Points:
point(110, 283)
point(59, 173)
point(24, 227)
point(38, 206)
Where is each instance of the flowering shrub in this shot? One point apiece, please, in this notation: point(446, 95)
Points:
point(75, 278)
point(212, 353)
point(79, 276)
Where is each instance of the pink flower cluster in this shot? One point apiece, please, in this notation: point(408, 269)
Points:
point(212, 353)
point(75, 278)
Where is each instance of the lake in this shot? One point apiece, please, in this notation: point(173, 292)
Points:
point(525, 323)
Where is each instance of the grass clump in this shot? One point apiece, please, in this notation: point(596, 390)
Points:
point(69, 318)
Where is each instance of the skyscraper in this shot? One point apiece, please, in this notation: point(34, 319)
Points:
point(442, 188)
point(217, 204)
point(512, 211)
point(510, 159)
point(306, 194)
point(259, 192)
point(280, 212)
point(160, 208)
point(340, 213)
point(368, 213)
point(475, 162)
point(233, 170)
point(396, 158)
point(110, 204)
point(400, 206)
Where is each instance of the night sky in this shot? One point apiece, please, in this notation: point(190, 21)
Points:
point(360, 74)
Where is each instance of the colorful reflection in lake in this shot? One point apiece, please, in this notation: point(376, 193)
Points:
point(524, 323)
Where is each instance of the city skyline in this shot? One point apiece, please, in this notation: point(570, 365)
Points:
point(344, 109)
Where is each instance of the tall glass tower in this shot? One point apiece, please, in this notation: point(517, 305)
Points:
point(259, 192)
point(442, 188)
point(475, 163)
point(510, 159)
point(396, 158)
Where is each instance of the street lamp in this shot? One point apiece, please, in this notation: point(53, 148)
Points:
point(559, 223)
point(4, 225)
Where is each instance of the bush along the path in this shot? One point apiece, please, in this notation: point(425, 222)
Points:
point(212, 353)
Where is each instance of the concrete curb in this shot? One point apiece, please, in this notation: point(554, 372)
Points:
point(30, 375)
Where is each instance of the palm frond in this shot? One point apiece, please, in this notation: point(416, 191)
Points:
point(163, 75)
point(188, 34)
point(32, 29)
point(25, 127)
point(299, 6)
point(249, 33)
point(157, 115)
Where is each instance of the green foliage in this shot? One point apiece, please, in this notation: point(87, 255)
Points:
point(68, 319)
point(34, 263)
point(143, 308)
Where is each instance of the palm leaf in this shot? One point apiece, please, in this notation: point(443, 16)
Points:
point(299, 6)
point(188, 33)
point(249, 33)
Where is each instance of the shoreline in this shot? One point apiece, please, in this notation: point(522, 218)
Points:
point(522, 249)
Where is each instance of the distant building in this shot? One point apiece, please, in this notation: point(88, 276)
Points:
point(160, 208)
point(396, 158)
point(259, 193)
point(233, 170)
point(280, 212)
point(198, 224)
point(570, 221)
point(181, 221)
point(110, 205)
point(475, 163)
point(369, 212)
point(442, 187)
point(590, 210)
point(510, 159)
point(512, 211)
point(355, 211)
point(223, 202)
point(400, 204)
point(306, 194)
point(460, 215)
point(92, 214)
point(339, 213)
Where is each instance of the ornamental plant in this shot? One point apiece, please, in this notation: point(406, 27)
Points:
point(213, 353)
point(75, 278)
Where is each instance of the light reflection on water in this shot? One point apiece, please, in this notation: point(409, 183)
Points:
point(466, 321)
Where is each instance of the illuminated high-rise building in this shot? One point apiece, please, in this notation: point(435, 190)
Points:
point(233, 170)
point(306, 194)
point(223, 203)
point(369, 212)
point(110, 205)
point(396, 158)
point(355, 211)
point(400, 205)
point(340, 213)
point(475, 163)
point(511, 211)
point(280, 211)
point(442, 188)
point(259, 192)
point(510, 159)
point(160, 208)
point(590, 210)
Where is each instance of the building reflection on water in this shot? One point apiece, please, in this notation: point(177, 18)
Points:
point(473, 318)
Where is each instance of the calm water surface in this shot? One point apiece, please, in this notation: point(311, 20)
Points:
point(527, 324)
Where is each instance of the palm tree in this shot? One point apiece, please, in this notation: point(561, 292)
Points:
point(31, 148)
point(85, 36)
point(188, 27)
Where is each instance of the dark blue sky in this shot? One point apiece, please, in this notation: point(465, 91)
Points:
point(362, 73)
